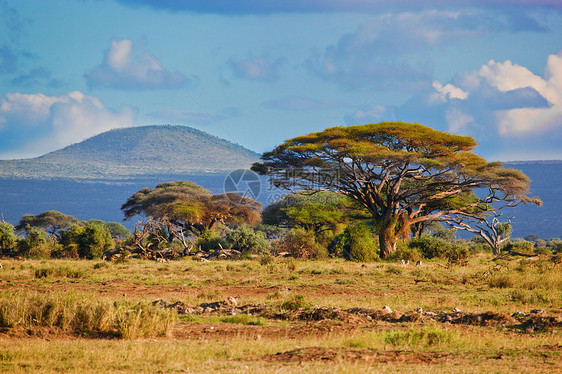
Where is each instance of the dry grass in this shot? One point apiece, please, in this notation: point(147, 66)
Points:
point(91, 316)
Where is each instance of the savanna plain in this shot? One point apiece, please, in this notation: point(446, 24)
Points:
point(281, 315)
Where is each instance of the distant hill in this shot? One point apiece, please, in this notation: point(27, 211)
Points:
point(135, 152)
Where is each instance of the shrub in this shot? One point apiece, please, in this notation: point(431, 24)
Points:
point(7, 237)
point(356, 243)
point(431, 246)
point(295, 302)
point(209, 240)
point(246, 240)
point(555, 245)
point(94, 241)
point(519, 246)
point(300, 243)
point(457, 252)
point(34, 245)
point(69, 252)
point(404, 252)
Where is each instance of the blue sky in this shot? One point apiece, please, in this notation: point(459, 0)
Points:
point(257, 72)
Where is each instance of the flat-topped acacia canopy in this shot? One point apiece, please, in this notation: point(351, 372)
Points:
point(402, 173)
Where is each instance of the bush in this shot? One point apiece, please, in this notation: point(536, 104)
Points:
point(246, 240)
point(94, 241)
point(7, 237)
point(34, 245)
point(431, 246)
point(300, 243)
point(209, 240)
point(519, 246)
point(405, 252)
point(457, 253)
point(356, 243)
point(69, 252)
point(295, 302)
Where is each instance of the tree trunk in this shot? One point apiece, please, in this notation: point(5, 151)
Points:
point(387, 240)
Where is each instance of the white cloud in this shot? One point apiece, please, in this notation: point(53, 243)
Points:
point(42, 123)
point(447, 91)
point(512, 93)
point(127, 67)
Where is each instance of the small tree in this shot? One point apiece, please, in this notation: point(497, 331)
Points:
point(52, 222)
point(356, 243)
point(246, 240)
point(93, 241)
point(8, 238)
point(35, 244)
point(191, 208)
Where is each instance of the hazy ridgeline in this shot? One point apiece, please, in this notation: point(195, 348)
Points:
point(101, 199)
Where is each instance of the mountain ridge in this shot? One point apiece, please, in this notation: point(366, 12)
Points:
point(135, 152)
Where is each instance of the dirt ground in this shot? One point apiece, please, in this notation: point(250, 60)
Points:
point(315, 338)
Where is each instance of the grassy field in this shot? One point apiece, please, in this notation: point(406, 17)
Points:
point(280, 315)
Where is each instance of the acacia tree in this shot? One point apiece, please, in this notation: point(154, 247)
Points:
point(402, 173)
point(185, 208)
point(51, 221)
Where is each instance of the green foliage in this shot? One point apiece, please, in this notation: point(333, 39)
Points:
point(555, 245)
point(93, 241)
point(117, 231)
point(519, 246)
point(246, 240)
point(323, 213)
point(438, 230)
point(393, 169)
point(245, 319)
point(51, 221)
point(405, 252)
point(34, 245)
point(431, 246)
point(8, 238)
point(69, 252)
point(300, 243)
point(190, 207)
point(271, 231)
point(209, 241)
point(357, 243)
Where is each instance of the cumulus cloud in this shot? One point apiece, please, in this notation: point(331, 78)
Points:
point(447, 92)
point(127, 67)
point(517, 101)
point(38, 123)
point(256, 68)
